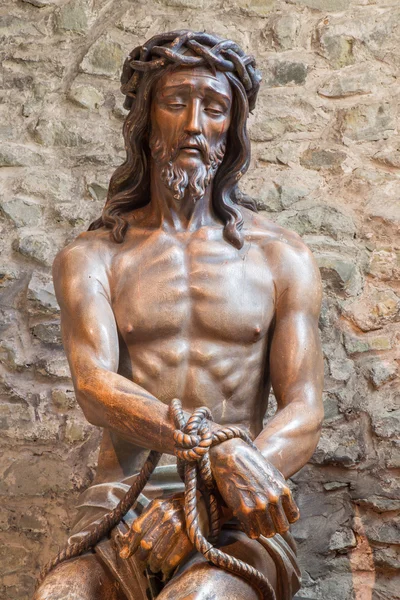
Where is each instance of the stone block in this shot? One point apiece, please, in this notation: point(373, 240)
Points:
point(49, 132)
point(30, 420)
point(265, 193)
point(321, 219)
point(18, 155)
point(104, 58)
point(388, 451)
point(77, 429)
point(342, 39)
point(73, 16)
point(323, 5)
point(338, 49)
point(379, 372)
point(31, 521)
point(343, 540)
point(378, 528)
point(339, 274)
point(320, 159)
point(63, 398)
point(48, 332)
point(41, 3)
point(41, 296)
point(38, 246)
point(87, 96)
point(380, 504)
point(367, 123)
point(387, 425)
point(343, 445)
point(374, 309)
point(389, 157)
point(14, 556)
point(260, 8)
point(55, 366)
point(285, 72)
point(341, 369)
point(334, 485)
point(285, 29)
point(266, 130)
point(384, 264)
point(83, 214)
point(193, 4)
point(349, 81)
point(22, 211)
point(387, 557)
point(383, 205)
point(355, 344)
point(27, 475)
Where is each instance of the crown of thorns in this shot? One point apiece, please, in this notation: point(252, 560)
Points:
point(209, 51)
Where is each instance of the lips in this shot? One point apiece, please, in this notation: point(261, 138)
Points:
point(190, 148)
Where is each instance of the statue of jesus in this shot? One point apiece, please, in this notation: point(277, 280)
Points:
point(182, 290)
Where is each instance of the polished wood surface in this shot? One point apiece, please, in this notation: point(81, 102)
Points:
point(177, 310)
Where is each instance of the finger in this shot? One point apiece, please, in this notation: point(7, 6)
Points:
point(160, 551)
point(265, 523)
point(249, 523)
point(143, 550)
point(182, 548)
point(159, 536)
point(157, 513)
point(140, 527)
point(278, 517)
point(290, 507)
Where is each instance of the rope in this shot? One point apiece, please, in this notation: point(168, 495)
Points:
point(108, 522)
point(192, 446)
point(193, 441)
point(206, 50)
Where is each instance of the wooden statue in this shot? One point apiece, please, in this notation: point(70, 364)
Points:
point(180, 290)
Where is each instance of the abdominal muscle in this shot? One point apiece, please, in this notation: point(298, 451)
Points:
point(227, 378)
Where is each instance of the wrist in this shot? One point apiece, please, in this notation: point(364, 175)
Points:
point(227, 448)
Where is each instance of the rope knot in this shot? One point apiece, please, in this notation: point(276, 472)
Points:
point(192, 447)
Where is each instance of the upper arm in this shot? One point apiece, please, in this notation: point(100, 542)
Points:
point(87, 321)
point(296, 366)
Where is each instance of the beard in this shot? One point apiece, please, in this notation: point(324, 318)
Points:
point(194, 181)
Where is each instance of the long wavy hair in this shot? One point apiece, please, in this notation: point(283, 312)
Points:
point(129, 187)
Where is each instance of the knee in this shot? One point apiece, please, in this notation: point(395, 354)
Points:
point(80, 579)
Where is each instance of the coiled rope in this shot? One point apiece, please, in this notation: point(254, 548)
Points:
point(193, 441)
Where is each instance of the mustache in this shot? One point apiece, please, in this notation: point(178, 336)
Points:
point(196, 140)
point(167, 155)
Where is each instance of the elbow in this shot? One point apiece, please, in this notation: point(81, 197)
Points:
point(315, 429)
point(87, 400)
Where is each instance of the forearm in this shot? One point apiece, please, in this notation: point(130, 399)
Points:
point(291, 436)
point(112, 401)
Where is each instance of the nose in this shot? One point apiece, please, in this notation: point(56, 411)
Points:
point(193, 123)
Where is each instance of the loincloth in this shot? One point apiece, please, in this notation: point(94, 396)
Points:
point(130, 574)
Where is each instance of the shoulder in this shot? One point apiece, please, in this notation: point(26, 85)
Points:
point(84, 261)
point(290, 260)
point(272, 237)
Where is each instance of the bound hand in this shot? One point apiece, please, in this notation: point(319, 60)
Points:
point(253, 489)
point(158, 536)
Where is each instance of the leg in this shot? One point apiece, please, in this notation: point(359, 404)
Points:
point(82, 578)
point(198, 580)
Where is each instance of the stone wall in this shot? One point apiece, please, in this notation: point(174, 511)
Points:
point(326, 160)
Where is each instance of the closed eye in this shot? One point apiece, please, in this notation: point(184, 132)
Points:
point(175, 105)
point(214, 111)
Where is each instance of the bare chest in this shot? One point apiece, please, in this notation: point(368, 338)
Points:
point(165, 287)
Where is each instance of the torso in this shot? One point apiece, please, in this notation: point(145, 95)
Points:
point(194, 316)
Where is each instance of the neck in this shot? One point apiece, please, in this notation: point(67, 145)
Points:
point(178, 215)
